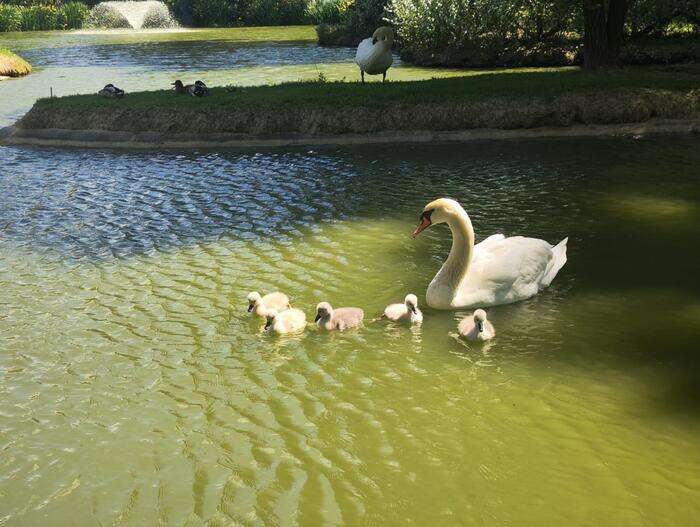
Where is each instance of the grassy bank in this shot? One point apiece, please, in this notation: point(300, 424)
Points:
point(12, 65)
point(498, 99)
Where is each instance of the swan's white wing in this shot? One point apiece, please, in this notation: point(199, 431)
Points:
point(484, 244)
point(364, 53)
point(373, 58)
point(505, 270)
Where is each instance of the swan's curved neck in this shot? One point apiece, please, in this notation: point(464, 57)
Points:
point(457, 264)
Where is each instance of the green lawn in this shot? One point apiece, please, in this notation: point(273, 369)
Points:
point(473, 87)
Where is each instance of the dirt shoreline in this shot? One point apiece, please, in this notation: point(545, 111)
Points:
point(140, 140)
point(619, 112)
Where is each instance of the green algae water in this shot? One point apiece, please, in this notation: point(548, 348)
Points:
point(137, 391)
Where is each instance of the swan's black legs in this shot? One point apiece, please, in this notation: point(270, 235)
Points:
point(383, 77)
point(363, 76)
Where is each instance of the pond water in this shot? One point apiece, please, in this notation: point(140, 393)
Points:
point(136, 389)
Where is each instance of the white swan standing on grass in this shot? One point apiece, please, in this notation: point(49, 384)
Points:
point(498, 270)
point(374, 54)
point(476, 327)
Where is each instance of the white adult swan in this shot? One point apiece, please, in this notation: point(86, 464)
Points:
point(374, 54)
point(498, 270)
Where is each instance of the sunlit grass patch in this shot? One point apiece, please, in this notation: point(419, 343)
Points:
point(525, 83)
point(12, 65)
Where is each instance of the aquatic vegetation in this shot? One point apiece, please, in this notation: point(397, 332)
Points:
point(10, 18)
point(74, 14)
point(12, 65)
point(70, 15)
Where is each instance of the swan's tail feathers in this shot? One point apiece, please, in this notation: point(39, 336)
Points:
point(556, 263)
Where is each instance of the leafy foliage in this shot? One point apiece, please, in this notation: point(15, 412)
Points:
point(74, 14)
point(10, 18)
point(346, 22)
point(515, 32)
point(20, 16)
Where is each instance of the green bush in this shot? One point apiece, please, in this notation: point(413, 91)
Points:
point(327, 12)
point(40, 18)
point(10, 18)
point(216, 13)
point(357, 20)
point(481, 32)
point(661, 17)
point(276, 13)
point(181, 10)
point(73, 15)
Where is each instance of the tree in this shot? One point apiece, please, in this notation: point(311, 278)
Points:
point(603, 32)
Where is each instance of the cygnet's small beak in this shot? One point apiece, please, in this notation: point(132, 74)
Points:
point(480, 325)
point(318, 317)
point(424, 224)
point(250, 308)
point(415, 311)
point(268, 323)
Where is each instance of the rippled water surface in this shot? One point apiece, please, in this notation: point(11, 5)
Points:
point(137, 391)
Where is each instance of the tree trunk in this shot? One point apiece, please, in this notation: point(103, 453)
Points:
point(603, 32)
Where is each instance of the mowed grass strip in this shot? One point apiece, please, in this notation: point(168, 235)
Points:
point(473, 87)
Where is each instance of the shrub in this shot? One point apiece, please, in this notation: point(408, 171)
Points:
point(656, 17)
point(480, 32)
point(181, 11)
point(276, 12)
point(358, 20)
point(328, 12)
point(216, 13)
point(10, 18)
point(73, 15)
point(39, 18)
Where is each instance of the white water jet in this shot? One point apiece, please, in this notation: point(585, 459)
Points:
point(149, 13)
